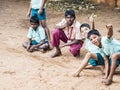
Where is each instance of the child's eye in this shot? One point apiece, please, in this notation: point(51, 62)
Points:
point(90, 39)
point(82, 31)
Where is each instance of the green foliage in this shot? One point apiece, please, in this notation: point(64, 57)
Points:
point(78, 5)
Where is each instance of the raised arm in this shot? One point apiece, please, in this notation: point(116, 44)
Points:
point(93, 24)
point(110, 30)
point(91, 19)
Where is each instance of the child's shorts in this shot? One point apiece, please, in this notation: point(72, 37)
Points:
point(41, 16)
point(34, 42)
point(118, 61)
point(100, 60)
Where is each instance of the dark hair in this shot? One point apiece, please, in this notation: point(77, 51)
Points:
point(94, 31)
point(70, 12)
point(85, 25)
point(34, 19)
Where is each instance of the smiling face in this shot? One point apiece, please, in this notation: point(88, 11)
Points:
point(95, 39)
point(84, 31)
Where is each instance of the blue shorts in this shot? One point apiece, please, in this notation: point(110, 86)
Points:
point(100, 60)
point(41, 16)
point(34, 42)
point(118, 61)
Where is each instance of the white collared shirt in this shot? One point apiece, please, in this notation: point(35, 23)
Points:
point(36, 4)
point(76, 34)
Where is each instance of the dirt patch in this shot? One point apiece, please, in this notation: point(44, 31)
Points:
point(20, 70)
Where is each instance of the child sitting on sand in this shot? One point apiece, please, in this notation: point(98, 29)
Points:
point(110, 47)
point(85, 28)
point(36, 37)
point(114, 53)
point(94, 56)
point(67, 31)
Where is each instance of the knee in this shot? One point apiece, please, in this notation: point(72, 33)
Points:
point(56, 31)
point(114, 57)
point(89, 54)
point(43, 24)
point(75, 52)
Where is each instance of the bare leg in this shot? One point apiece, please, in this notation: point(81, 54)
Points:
point(57, 53)
point(89, 66)
point(43, 23)
point(114, 58)
point(25, 44)
point(43, 48)
point(84, 63)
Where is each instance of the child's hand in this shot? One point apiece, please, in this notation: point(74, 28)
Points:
point(91, 18)
point(75, 74)
point(40, 11)
point(109, 26)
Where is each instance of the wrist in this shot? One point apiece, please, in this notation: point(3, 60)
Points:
point(40, 8)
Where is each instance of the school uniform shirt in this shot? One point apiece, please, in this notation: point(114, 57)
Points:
point(111, 45)
point(36, 4)
point(75, 32)
point(95, 49)
point(37, 35)
point(91, 47)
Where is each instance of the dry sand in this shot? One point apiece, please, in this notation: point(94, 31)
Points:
point(20, 70)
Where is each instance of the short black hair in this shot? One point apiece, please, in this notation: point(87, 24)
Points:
point(85, 25)
point(34, 19)
point(94, 31)
point(70, 12)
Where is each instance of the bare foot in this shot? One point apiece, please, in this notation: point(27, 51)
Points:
point(107, 81)
point(42, 50)
point(56, 54)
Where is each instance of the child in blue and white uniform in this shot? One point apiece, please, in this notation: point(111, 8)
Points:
point(36, 37)
point(38, 8)
point(94, 56)
point(109, 47)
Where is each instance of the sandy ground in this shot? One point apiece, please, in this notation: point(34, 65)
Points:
point(20, 70)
